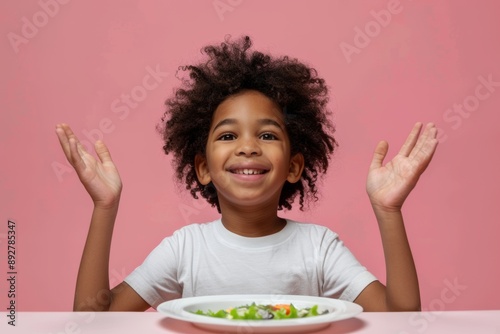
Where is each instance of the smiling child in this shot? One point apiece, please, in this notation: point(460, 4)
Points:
point(250, 134)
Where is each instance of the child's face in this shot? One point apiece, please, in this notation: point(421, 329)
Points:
point(248, 151)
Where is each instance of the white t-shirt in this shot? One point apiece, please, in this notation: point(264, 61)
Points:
point(208, 259)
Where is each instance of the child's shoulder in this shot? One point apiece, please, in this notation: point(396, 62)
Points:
point(312, 228)
point(192, 231)
point(198, 227)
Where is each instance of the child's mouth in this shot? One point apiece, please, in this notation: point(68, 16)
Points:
point(248, 171)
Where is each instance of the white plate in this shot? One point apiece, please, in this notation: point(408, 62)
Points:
point(182, 309)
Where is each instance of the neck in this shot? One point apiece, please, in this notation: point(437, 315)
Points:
point(251, 221)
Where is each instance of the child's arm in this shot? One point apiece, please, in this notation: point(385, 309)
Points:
point(387, 187)
point(102, 181)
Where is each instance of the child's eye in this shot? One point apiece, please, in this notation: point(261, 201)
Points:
point(268, 136)
point(227, 136)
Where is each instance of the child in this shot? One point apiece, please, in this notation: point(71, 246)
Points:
point(250, 134)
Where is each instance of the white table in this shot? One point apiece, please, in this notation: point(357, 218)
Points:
point(456, 322)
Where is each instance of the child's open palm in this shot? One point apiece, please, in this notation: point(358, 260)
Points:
point(388, 185)
point(99, 176)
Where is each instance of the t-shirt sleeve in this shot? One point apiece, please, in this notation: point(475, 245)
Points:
point(155, 280)
point(345, 277)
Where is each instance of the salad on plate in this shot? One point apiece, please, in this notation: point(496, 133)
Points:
point(264, 312)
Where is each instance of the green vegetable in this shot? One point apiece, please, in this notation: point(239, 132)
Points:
point(263, 312)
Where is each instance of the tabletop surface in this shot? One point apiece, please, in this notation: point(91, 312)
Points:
point(475, 322)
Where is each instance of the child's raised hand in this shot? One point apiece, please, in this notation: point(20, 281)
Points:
point(389, 185)
point(99, 177)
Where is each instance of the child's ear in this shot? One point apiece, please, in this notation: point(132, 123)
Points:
point(201, 167)
point(296, 168)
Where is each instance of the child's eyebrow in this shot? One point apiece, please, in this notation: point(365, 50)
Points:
point(226, 121)
point(269, 121)
point(263, 121)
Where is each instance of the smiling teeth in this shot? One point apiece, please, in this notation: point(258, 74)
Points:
point(249, 171)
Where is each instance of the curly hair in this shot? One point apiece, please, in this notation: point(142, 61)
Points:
point(233, 67)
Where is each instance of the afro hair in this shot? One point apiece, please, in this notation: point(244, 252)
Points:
point(233, 67)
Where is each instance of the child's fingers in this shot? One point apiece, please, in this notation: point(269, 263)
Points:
point(65, 134)
point(69, 133)
point(426, 144)
point(67, 130)
point(423, 152)
point(379, 155)
point(63, 140)
point(72, 148)
point(411, 140)
point(76, 154)
point(102, 151)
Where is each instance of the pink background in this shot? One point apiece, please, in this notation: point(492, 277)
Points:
point(75, 61)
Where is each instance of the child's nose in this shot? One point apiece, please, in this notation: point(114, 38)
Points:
point(248, 147)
